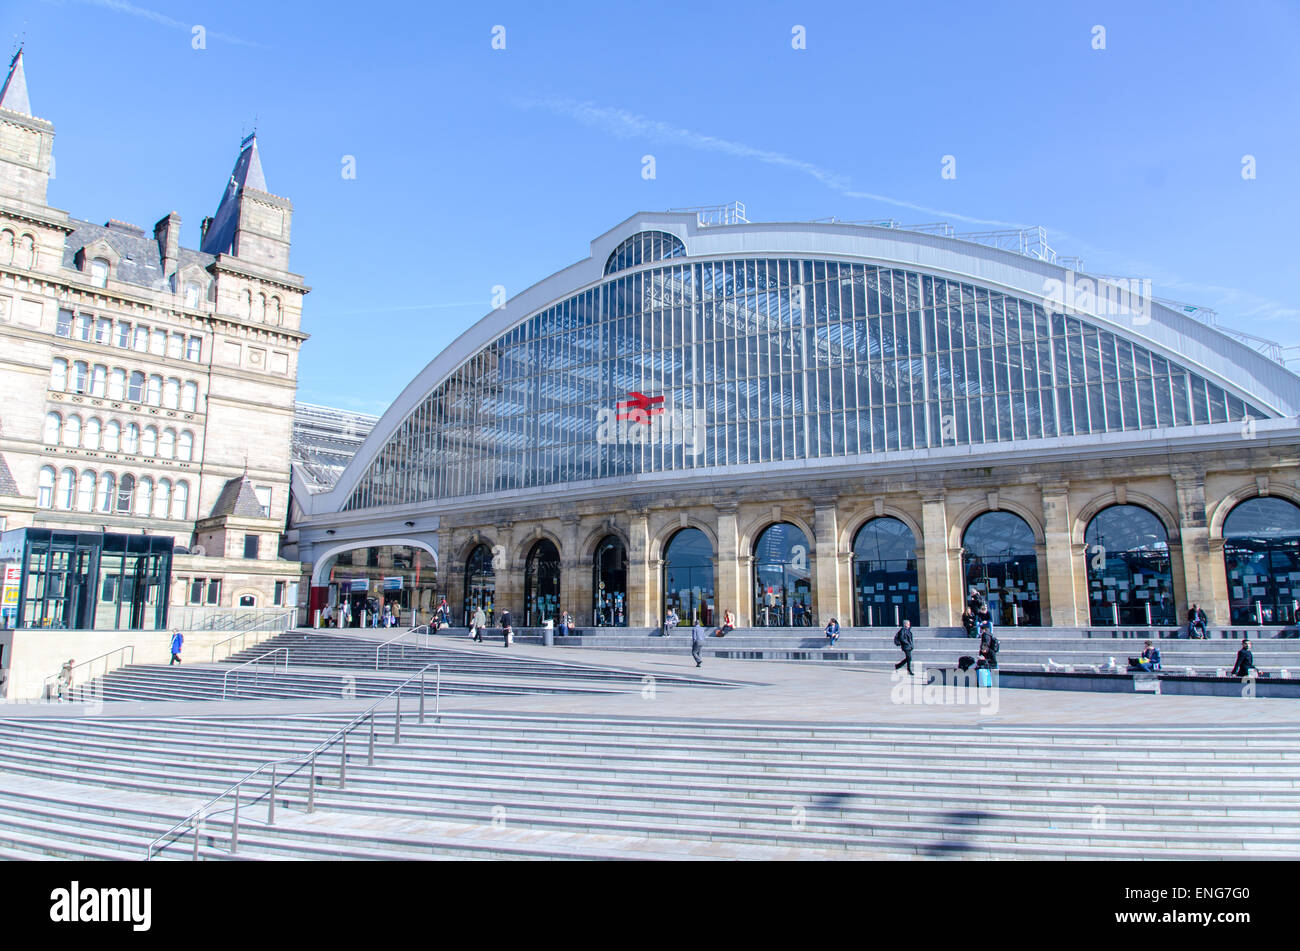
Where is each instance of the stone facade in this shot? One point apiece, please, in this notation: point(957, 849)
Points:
point(129, 357)
point(1190, 493)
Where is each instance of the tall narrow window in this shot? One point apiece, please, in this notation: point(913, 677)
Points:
point(59, 375)
point(117, 384)
point(158, 342)
point(45, 488)
point(123, 338)
point(80, 377)
point(67, 487)
point(185, 446)
point(153, 395)
point(106, 486)
point(112, 436)
point(180, 500)
point(72, 432)
point(149, 442)
point(85, 324)
point(140, 341)
point(189, 397)
point(90, 435)
point(63, 327)
point(172, 393)
point(191, 295)
point(99, 272)
point(104, 330)
point(176, 345)
point(131, 439)
point(167, 444)
point(86, 492)
point(162, 498)
point(98, 380)
point(144, 496)
point(193, 349)
point(125, 494)
point(53, 427)
point(135, 392)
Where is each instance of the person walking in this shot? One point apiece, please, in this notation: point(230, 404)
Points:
point(832, 632)
point(697, 642)
point(178, 641)
point(478, 623)
point(506, 633)
point(64, 684)
point(1245, 660)
point(903, 640)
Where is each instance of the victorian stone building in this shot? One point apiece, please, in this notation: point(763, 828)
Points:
point(148, 393)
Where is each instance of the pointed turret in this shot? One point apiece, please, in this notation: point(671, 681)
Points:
point(26, 142)
point(250, 222)
point(14, 96)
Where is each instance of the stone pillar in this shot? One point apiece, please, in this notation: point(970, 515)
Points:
point(826, 564)
point(509, 576)
point(1198, 576)
point(570, 570)
point(937, 608)
point(642, 575)
point(727, 583)
point(848, 596)
point(1058, 599)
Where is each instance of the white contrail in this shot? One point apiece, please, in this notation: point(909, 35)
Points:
point(130, 9)
point(626, 125)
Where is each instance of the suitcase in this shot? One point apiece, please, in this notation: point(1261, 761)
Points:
point(984, 677)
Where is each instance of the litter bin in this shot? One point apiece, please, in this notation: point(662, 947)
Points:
point(548, 634)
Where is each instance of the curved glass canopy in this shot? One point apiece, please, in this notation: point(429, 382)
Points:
point(644, 247)
point(752, 361)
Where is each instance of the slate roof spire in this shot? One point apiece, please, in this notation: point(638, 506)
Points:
point(14, 95)
point(219, 236)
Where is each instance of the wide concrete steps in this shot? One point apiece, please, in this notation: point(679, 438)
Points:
point(796, 795)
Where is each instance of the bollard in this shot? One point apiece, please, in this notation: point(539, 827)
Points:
point(234, 827)
point(1147, 605)
point(270, 807)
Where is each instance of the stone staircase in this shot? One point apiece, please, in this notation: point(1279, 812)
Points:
point(543, 785)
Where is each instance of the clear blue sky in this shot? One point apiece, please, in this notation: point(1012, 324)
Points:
point(477, 167)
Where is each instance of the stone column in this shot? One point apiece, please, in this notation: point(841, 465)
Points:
point(826, 563)
point(727, 582)
point(642, 576)
point(1189, 486)
point(509, 576)
point(570, 569)
point(937, 608)
point(1058, 599)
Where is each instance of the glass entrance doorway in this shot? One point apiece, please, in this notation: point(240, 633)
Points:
point(1001, 562)
point(782, 581)
point(609, 584)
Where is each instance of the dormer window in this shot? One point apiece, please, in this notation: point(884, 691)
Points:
point(99, 272)
point(192, 296)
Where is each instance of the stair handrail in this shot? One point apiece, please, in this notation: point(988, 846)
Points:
point(45, 684)
point(398, 637)
point(303, 759)
point(284, 616)
point(278, 650)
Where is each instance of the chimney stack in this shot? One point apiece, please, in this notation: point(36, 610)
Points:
point(167, 233)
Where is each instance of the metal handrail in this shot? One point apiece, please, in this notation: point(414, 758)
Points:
point(398, 637)
point(246, 663)
point(308, 758)
point(45, 692)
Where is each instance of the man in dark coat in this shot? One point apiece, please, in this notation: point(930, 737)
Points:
point(505, 627)
point(903, 639)
point(1245, 660)
point(989, 648)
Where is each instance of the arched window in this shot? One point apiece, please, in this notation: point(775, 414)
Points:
point(72, 431)
point(180, 500)
point(189, 397)
point(45, 488)
point(80, 377)
point(67, 489)
point(1261, 553)
point(53, 427)
point(98, 380)
point(99, 272)
point(885, 582)
point(86, 492)
point(192, 295)
point(688, 577)
point(153, 394)
point(542, 584)
point(131, 439)
point(248, 304)
point(112, 435)
point(260, 315)
point(144, 496)
point(140, 339)
point(106, 484)
point(172, 393)
point(125, 494)
point(59, 375)
point(26, 252)
point(117, 384)
point(609, 583)
point(135, 392)
point(642, 248)
point(162, 498)
point(782, 581)
point(90, 436)
point(167, 444)
point(1127, 557)
point(149, 442)
point(274, 315)
point(7, 242)
point(185, 446)
point(480, 584)
point(1001, 561)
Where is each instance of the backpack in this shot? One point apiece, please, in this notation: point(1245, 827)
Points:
point(994, 646)
point(898, 639)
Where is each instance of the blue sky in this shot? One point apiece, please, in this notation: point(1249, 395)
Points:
point(478, 167)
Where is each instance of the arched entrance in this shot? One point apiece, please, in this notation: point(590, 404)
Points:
point(480, 584)
point(782, 581)
point(609, 583)
point(688, 577)
point(1261, 554)
point(542, 584)
point(1001, 562)
point(1129, 577)
point(365, 579)
point(884, 574)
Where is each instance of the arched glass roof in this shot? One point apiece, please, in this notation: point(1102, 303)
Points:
point(644, 247)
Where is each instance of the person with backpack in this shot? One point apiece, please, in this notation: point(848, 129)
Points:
point(903, 640)
point(178, 640)
point(507, 635)
point(989, 647)
point(832, 632)
point(697, 643)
